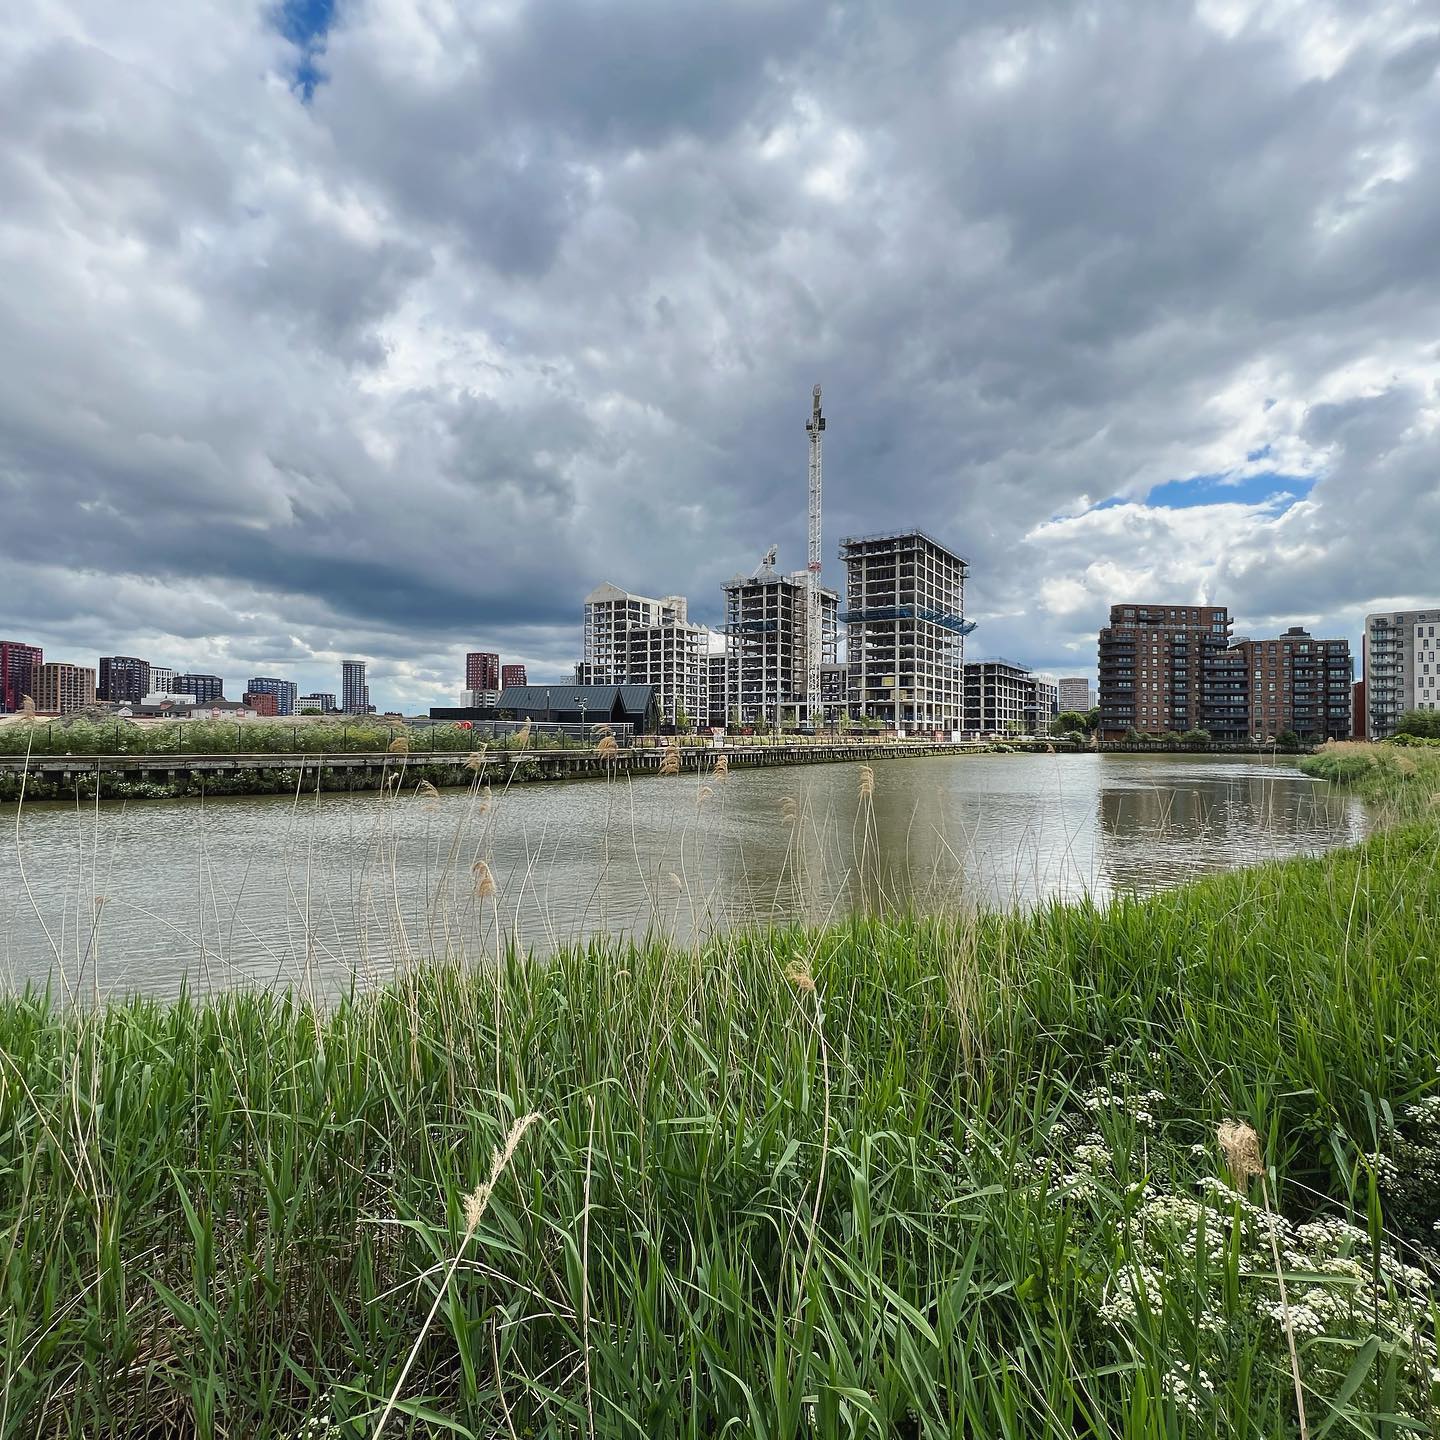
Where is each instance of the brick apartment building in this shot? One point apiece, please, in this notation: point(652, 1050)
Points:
point(123, 678)
point(482, 670)
point(1300, 684)
point(512, 675)
point(1163, 668)
point(61, 689)
point(17, 673)
point(262, 702)
point(1172, 668)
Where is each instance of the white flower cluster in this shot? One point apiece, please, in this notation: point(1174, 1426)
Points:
point(1189, 1393)
point(1139, 1107)
point(317, 1427)
point(1424, 1114)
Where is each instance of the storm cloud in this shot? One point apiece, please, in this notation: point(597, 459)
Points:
point(395, 337)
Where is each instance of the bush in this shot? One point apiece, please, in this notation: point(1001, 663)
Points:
point(1422, 724)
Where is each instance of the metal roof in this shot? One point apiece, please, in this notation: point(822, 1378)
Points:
point(598, 699)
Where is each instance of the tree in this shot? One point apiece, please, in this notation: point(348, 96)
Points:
point(1423, 724)
point(1092, 719)
point(1069, 722)
point(682, 719)
point(1196, 737)
point(1288, 740)
point(310, 710)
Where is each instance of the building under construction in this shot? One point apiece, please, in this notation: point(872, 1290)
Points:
point(905, 629)
point(767, 639)
point(634, 640)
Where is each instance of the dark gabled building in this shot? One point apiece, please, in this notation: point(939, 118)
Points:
point(636, 705)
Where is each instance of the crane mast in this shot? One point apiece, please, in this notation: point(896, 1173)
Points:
point(814, 427)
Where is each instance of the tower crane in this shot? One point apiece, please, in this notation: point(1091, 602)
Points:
point(814, 710)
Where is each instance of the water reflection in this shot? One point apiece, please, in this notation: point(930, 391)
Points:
point(264, 889)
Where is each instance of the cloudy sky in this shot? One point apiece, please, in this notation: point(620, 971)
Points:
point(390, 329)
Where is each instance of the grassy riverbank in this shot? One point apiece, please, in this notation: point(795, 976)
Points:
point(903, 1177)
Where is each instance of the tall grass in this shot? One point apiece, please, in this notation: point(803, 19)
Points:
point(900, 1176)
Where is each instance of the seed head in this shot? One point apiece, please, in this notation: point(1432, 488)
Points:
point(722, 766)
point(867, 782)
point(484, 880)
point(399, 746)
point(1241, 1147)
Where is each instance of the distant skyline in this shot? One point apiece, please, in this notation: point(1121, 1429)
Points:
point(331, 331)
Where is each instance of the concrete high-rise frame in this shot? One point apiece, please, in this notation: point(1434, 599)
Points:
point(767, 635)
point(635, 640)
point(905, 594)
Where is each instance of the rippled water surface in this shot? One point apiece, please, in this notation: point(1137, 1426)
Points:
point(253, 890)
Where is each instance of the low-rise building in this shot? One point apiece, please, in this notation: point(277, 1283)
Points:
point(262, 702)
point(323, 701)
point(587, 705)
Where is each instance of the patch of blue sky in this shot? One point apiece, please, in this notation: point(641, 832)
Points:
point(304, 23)
point(1249, 489)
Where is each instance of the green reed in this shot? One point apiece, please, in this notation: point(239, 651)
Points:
point(902, 1176)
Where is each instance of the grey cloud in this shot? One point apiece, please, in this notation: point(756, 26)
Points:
point(511, 308)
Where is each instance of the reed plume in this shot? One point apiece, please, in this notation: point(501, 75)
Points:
point(475, 760)
point(484, 880)
point(670, 764)
point(722, 766)
point(867, 782)
point(476, 1203)
point(399, 746)
point(607, 749)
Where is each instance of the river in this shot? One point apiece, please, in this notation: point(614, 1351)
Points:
point(334, 888)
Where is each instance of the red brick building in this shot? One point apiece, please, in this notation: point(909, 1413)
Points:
point(512, 675)
point(18, 663)
point(482, 670)
point(261, 703)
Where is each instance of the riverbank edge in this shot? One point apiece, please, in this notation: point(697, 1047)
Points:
point(252, 774)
